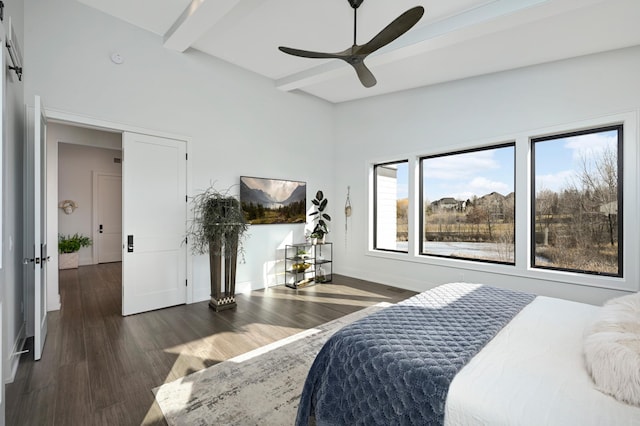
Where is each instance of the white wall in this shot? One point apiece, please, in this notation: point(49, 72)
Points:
point(12, 292)
point(461, 113)
point(238, 123)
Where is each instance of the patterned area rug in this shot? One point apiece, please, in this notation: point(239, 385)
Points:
point(261, 387)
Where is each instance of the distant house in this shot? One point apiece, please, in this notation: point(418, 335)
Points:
point(446, 204)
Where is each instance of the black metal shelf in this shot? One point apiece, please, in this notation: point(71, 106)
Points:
point(318, 256)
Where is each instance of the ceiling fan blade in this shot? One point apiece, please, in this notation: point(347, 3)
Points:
point(356, 54)
point(366, 77)
point(308, 53)
point(395, 29)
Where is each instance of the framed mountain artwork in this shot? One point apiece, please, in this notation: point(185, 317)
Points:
point(268, 201)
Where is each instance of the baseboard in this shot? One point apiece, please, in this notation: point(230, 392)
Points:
point(55, 304)
point(14, 357)
point(202, 294)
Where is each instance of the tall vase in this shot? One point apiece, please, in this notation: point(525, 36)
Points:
point(223, 298)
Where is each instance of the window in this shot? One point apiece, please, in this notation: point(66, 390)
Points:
point(468, 204)
point(577, 202)
point(391, 206)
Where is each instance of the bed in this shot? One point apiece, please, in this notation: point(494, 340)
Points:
point(510, 358)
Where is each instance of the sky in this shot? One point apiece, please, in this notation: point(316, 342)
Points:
point(462, 176)
point(558, 161)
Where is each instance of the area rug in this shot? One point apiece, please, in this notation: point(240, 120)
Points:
point(261, 387)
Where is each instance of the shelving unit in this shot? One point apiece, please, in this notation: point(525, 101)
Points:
point(307, 264)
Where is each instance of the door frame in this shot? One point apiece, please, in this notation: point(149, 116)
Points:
point(72, 119)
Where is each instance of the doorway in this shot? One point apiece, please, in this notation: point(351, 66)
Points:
point(147, 168)
point(75, 156)
point(89, 177)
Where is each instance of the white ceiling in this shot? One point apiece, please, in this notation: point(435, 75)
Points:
point(455, 38)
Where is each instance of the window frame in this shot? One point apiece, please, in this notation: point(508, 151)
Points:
point(558, 282)
point(620, 163)
point(375, 206)
point(421, 218)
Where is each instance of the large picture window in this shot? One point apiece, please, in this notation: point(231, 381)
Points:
point(577, 205)
point(391, 206)
point(468, 204)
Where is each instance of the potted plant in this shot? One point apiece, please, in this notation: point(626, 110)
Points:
point(217, 228)
point(68, 248)
point(320, 217)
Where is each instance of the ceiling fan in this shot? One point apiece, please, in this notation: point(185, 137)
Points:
point(356, 54)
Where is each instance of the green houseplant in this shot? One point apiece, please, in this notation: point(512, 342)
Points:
point(320, 217)
point(217, 229)
point(68, 248)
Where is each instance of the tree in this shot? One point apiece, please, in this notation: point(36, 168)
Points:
point(475, 213)
point(546, 206)
point(598, 183)
point(602, 181)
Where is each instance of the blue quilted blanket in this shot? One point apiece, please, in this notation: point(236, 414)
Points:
point(395, 366)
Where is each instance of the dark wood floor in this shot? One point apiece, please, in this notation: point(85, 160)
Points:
point(98, 368)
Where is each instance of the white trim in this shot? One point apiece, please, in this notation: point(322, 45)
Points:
point(91, 122)
point(631, 180)
point(104, 125)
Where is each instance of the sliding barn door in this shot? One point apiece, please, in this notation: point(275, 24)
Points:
point(154, 223)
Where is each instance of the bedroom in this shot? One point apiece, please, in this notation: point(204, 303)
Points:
point(241, 125)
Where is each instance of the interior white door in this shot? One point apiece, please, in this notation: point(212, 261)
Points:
point(109, 214)
point(154, 223)
point(35, 247)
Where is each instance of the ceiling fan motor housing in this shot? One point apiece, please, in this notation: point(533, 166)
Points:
point(355, 3)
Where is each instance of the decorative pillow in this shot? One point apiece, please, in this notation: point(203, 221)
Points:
point(612, 349)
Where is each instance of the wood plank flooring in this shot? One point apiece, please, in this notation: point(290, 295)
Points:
point(98, 368)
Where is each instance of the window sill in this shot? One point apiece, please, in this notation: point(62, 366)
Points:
point(573, 278)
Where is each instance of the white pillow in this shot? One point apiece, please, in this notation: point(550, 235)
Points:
point(612, 349)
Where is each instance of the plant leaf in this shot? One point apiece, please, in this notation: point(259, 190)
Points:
point(315, 202)
point(319, 195)
point(323, 204)
point(326, 216)
point(313, 213)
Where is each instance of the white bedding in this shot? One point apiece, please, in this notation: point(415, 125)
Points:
point(533, 373)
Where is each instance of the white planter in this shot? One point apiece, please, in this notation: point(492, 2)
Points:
point(68, 261)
